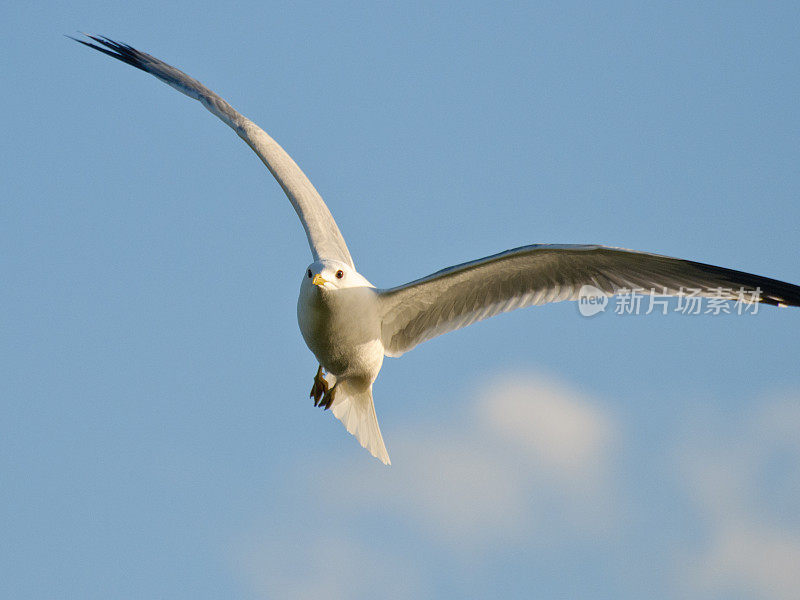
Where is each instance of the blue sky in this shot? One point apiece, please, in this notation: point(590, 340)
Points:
point(156, 439)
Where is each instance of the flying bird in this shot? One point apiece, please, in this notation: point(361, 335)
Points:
point(350, 325)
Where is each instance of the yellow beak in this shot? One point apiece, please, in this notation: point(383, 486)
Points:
point(318, 280)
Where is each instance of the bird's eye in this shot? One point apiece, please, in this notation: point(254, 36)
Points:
point(339, 274)
point(308, 273)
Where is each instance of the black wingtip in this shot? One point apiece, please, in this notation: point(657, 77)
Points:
point(768, 291)
point(120, 51)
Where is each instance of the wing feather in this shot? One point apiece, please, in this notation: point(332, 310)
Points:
point(458, 296)
point(323, 235)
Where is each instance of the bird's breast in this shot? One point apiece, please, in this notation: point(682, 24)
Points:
point(342, 328)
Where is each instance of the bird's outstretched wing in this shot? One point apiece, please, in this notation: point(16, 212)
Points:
point(324, 237)
point(458, 296)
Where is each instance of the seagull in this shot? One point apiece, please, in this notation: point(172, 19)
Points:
point(350, 325)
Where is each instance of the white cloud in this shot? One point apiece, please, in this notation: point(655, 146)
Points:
point(531, 465)
point(740, 482)
point(531, 453)
point(755, 558)
point(451, 485)
point(557, 428)
point(525, 465)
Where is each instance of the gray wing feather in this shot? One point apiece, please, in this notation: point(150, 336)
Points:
point(458, 296)
point(323, 235)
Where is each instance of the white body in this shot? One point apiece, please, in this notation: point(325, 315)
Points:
point(339, 321)
point(340, 324)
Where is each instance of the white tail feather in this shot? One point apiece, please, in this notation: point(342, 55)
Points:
point(356, 410)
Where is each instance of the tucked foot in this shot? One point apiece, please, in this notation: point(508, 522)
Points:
point(320, 387)
point(328, 397)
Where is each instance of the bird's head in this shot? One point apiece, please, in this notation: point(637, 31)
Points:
point(328, 275)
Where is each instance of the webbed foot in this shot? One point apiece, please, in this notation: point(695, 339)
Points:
point(328, 397)
point(320, 388)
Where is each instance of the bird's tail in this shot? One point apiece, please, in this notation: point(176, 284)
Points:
point(356, 410)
